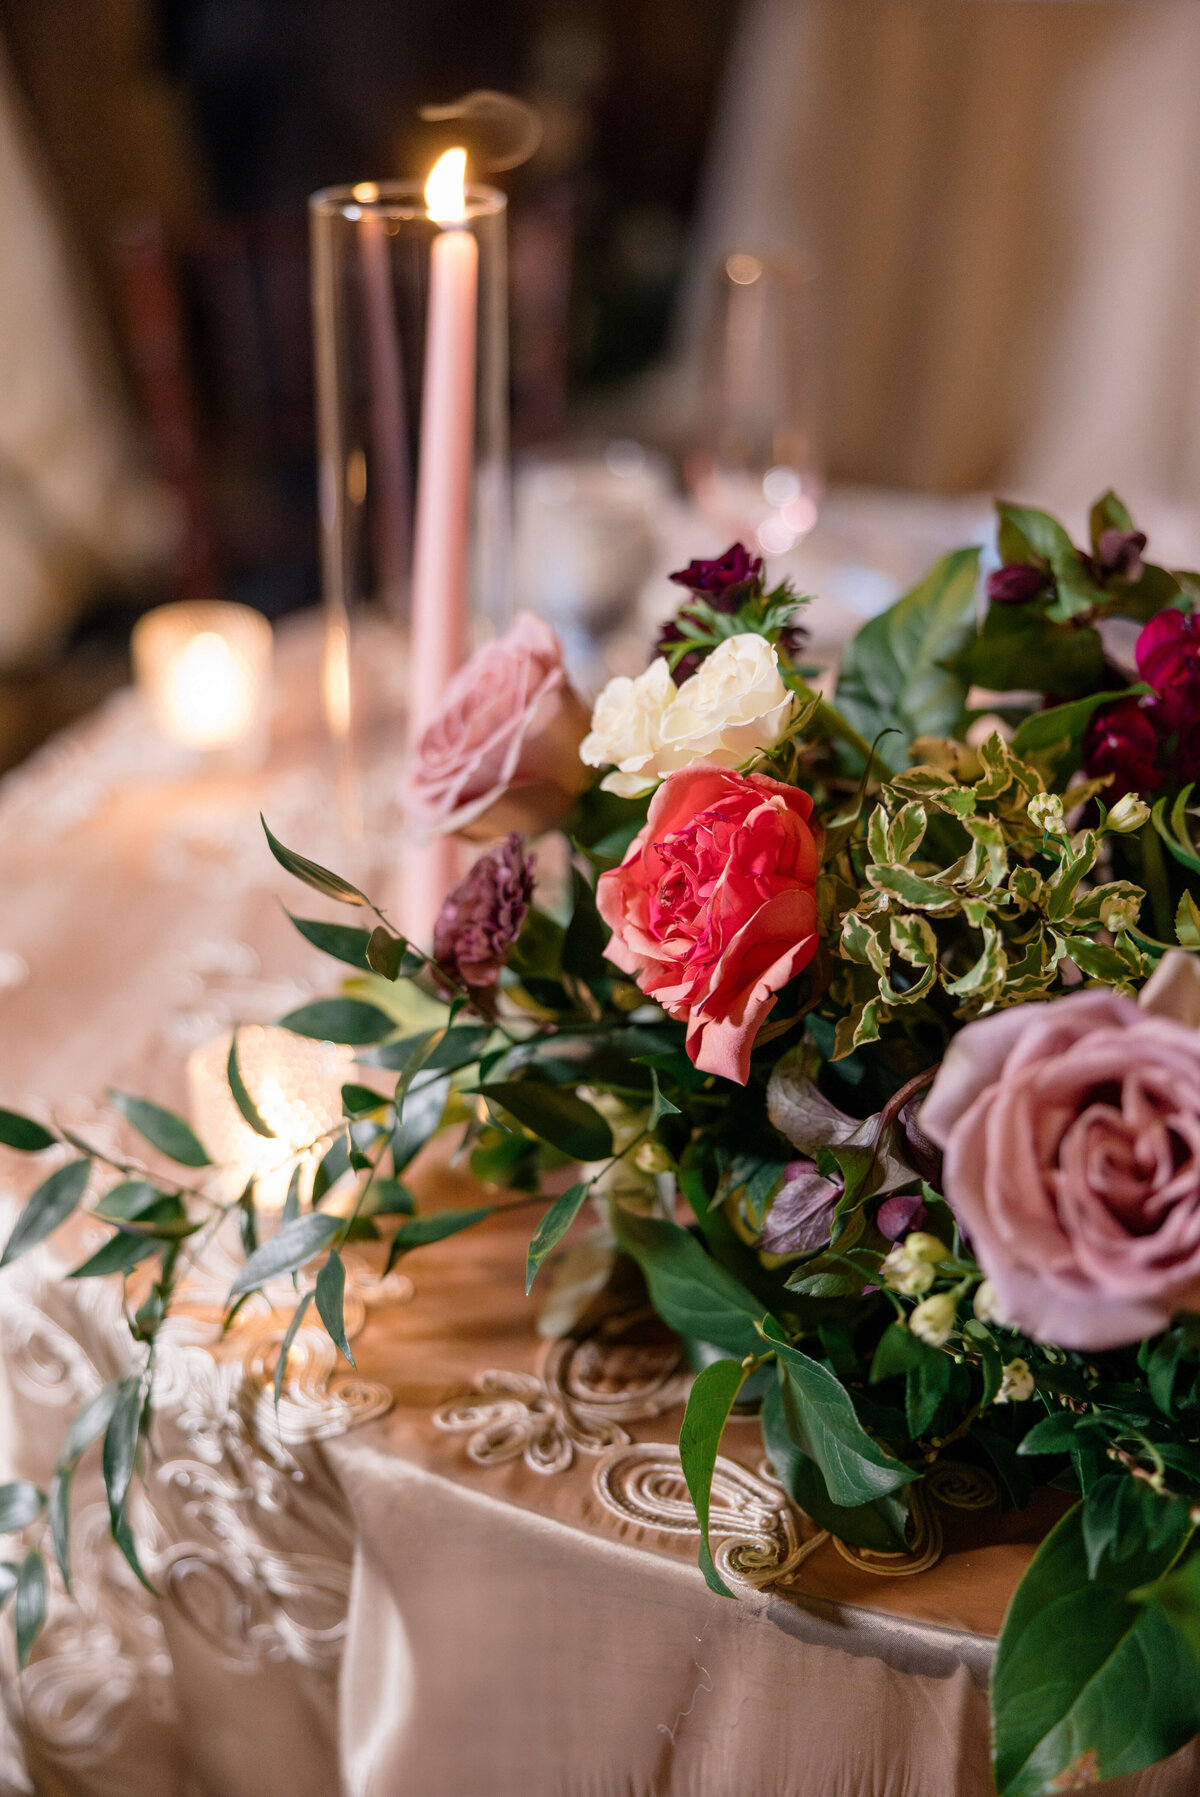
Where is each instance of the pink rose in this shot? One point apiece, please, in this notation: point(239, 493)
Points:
point(503, 752)
point(1071, 1132)
point(713, 909)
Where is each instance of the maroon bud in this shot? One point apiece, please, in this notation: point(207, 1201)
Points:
point(481, 919)
point(1015, 584)
point(723, 581)
point(1119, 554)
point(667, 638)
point(896, 1216)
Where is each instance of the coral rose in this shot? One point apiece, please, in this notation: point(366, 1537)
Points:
point(503, 752)
point(1071, 1132)
point(713, 909)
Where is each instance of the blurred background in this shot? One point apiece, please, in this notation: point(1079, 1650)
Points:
point(822, 272)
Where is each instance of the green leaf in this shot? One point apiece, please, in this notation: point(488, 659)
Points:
point(1055, 734)
point(554, 1225)
point(709, 1403)
point(1108, 513)
point(359, 1101)
point(20, 1504)
point(120, 1254)
point(21, 1132)
point(420, 1117)
point(30, 1606)
point(388, 1198)
point(692, 1293)
point(91, 1421)
point(285, 1346)
point(58, 1509)
point(45, 1209)
point(1053, 1434)
point(435, 1227)
point(340, 940)
point(1084, 1680)
point(1177, 1595)
point(878, 1525)
point(127, 1201)
point(330, 1293)
point(1020, 649)
point(1187, 922)
point(241, 1096)
point(855, 1467)
point(660, 1107)
point(350, 1020)
point(293, 1244)
point(559, 1117)
point(334, 1163)
point(892, 673)
point(162, 1129)
point(586, 938)
point(120, 1444)
point(385, 953)
point(312, 873)
point(123, 1536)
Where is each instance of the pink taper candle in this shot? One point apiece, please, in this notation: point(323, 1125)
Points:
point(439, 594)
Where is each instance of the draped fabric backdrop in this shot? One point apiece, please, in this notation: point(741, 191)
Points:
point(1002, 197)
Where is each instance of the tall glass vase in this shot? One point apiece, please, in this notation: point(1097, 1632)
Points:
point(371, 266)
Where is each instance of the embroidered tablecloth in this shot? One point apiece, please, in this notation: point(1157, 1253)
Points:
point(467, 1567)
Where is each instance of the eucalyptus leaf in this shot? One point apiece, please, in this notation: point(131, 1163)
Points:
point(127, 1201)
point(241, 1096)
point(711, 1399)
point(351, 1020)
point(291, 1247)
point(330, 1296)
point(91, 1421)
point(420, 1117)
point(556, 1116)
point(17, 1131)
point(120, 1444)
point(58, 1509)
point(312, 873)
point(340, 940)
point(20, 1504)
point(120, 1254)
point(162, 1129)
point(30, 1604)
point(434, 1227)
point(47, 1207)
point(285, 1346)
point(554, 1225)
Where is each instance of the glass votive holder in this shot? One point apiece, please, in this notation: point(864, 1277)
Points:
point(294, 1083)
point(203, 668)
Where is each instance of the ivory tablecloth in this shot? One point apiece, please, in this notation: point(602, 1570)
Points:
point(465, 1569)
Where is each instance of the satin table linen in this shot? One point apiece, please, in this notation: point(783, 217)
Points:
point(465, 1569)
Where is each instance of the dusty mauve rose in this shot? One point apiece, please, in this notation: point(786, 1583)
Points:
point(1168, 659)
point(1071, 1132)
point(1121, 740)
point(503, 752)
point(713, 909)
point(720, 581)
point(481, 919)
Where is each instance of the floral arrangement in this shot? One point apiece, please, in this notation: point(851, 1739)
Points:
point(877, 1023)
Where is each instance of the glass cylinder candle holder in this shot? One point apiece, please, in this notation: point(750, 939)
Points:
point(410, 320)
point(203, 668)
point(296, 1087)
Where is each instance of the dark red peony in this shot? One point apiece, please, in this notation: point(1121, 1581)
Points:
point(1168, 659)
point(1121, 740)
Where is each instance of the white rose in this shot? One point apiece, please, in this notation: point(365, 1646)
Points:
point(626, 731)
point(733, 709)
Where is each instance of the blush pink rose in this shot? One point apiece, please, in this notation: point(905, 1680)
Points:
point(713, 909)
point(502, 753)
point(1071, 1132)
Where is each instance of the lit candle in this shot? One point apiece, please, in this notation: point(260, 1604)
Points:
point(204, 671)
point(296, 1087)
point(439, 603)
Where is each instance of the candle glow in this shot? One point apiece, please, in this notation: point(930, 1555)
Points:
point(204, 671)
point(445, 190)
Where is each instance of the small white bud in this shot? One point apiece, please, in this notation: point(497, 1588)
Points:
point(920, 1245)
point(901, 1273)
point(1016, 1383)
point(986, 1304)
point(652, 1157)
point(1120, 913)
point(1128, 814)
point(934, 1318)
point(1046, 813)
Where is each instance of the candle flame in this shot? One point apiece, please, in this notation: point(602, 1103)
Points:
point(445, 192)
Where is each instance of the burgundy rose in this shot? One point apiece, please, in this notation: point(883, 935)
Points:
point(1015, 584)
point(721, 581)
point(1119, 554)
point(1120, 740)
point(1168, 659)
point(801, 1214)
point(482, 917)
